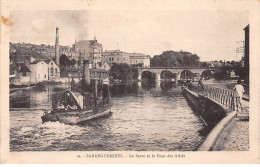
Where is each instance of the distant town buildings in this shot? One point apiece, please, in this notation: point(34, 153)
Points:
point(139, 58)
point(90, 50)
point(29, 66)
point(70, 52)
point(117, 56)
point(30, 63)
point(114, 56)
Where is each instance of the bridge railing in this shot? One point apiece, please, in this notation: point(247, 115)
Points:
point(225, 97)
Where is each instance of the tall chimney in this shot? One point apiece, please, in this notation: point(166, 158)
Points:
point(86, 72)
point(57, 47)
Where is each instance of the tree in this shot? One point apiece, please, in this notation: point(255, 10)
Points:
point(203, 64)
point(123, 71)
point(173, 59)
point(221, 73)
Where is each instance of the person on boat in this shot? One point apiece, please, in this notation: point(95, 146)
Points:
point(201, 82)
point(100, 97)
point(239, 90)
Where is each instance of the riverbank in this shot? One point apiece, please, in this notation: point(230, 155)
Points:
point(234, 136)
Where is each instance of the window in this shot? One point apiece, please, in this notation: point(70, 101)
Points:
point(51, 71)
point(51, 63)
point(44, 76)
point(24, 73)
point(131, 61)
point(56, 70)
point(112, 58)
point(117, 58)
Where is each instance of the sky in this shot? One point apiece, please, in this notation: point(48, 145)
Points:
point(212, 35)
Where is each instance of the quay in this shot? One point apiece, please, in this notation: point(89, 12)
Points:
point(231, 131)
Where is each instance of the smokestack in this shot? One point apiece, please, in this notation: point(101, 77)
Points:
point(86, 72)
point(57, 47)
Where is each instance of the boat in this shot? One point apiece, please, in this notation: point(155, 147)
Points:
point(83, 102)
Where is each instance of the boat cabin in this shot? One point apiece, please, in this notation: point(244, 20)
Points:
point(76, 99)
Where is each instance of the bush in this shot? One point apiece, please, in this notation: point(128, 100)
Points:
point(40, 86)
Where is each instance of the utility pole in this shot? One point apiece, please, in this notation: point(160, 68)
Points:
point(240, 49)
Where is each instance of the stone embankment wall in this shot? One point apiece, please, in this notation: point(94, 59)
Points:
point(213, 114)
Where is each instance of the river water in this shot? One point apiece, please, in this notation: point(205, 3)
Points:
point(145, 118)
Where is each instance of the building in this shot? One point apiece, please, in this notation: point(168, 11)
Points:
point(117, 56)
point(76, 74)
point(19, 74)
point(247, 52)
point(53, 70)
point(39, 71)
point(99, 74)
point(140, 60)
point(90, 50)
point(70, 53)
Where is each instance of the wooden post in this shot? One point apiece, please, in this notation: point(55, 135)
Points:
point(95, 97)
point(235, 102)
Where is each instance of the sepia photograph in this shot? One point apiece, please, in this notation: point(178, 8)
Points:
point(116, 81)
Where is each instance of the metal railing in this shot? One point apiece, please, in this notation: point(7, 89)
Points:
point(225, 97)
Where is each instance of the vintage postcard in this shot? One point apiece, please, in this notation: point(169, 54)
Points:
point(95, 81)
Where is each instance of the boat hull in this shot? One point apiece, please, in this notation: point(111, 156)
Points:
point(75, 118)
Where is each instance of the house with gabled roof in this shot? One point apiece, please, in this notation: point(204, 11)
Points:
point(39, 71)
point(53, 70)
point(42, 67)
point(19, 74)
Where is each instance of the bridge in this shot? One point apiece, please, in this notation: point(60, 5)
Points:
point(177, 71)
